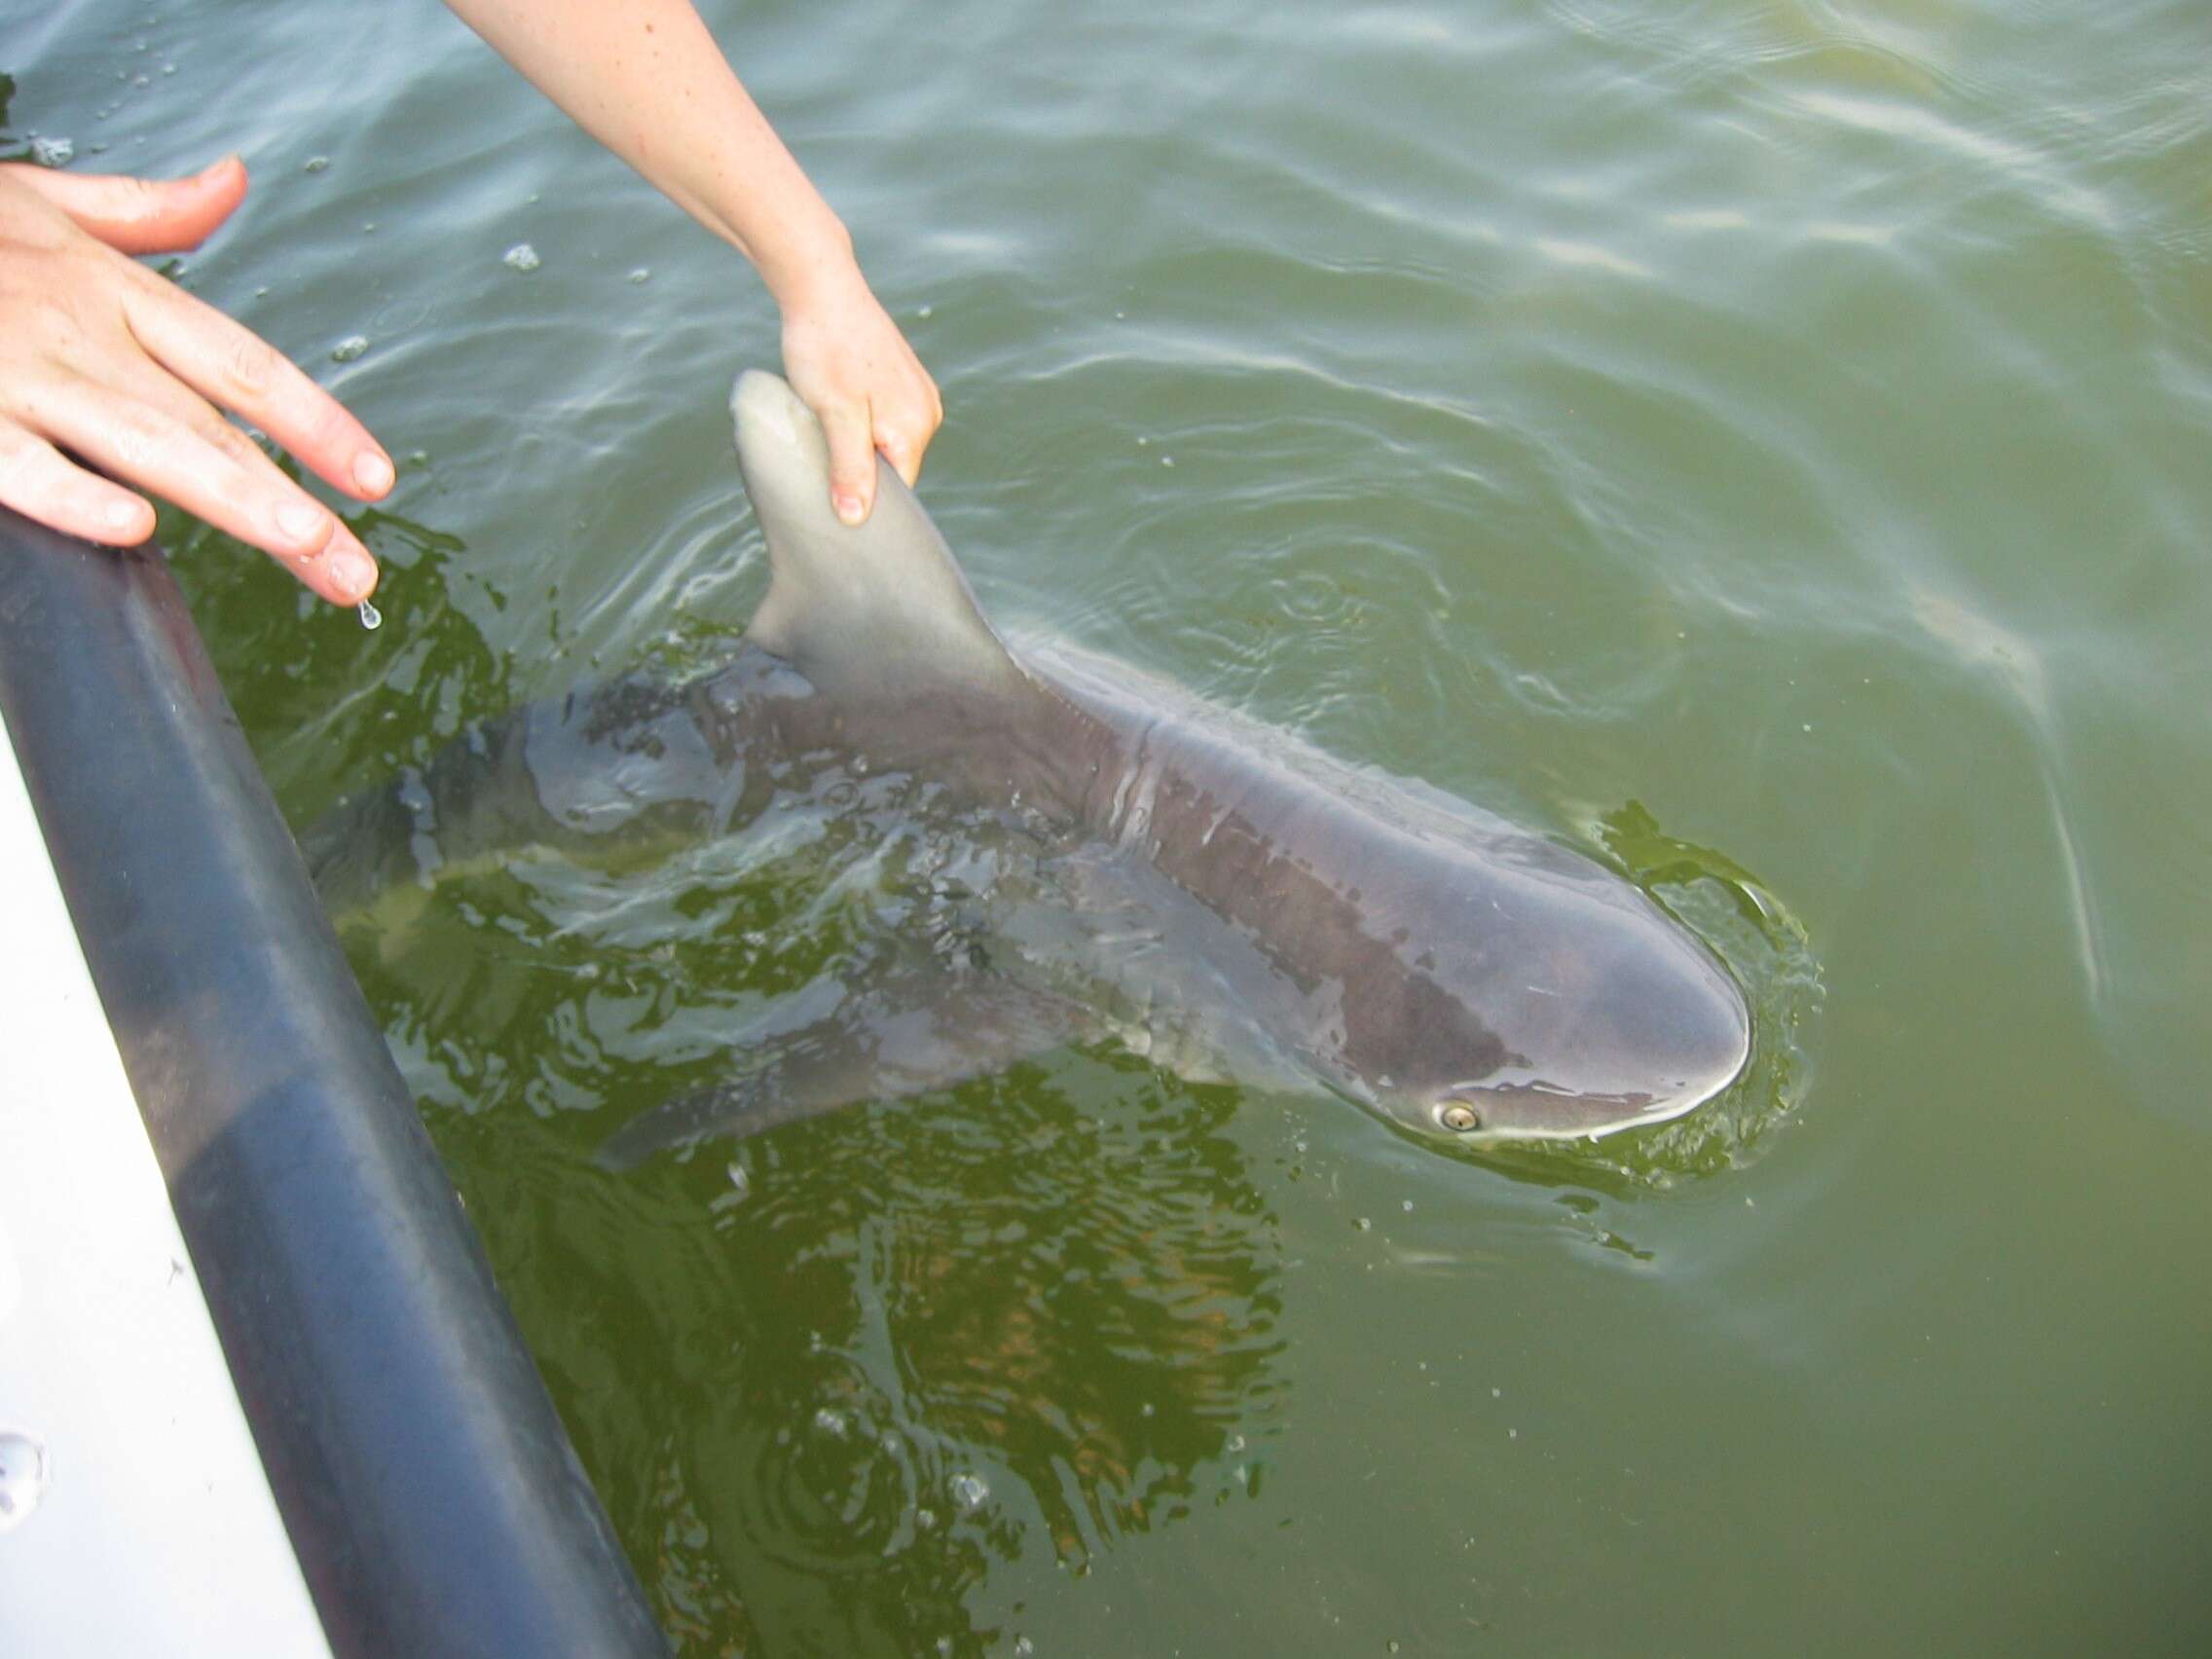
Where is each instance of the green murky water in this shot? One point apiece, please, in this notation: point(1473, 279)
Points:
point(1766, 444)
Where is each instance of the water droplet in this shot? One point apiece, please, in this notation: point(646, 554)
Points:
point(641, 275)
point(371, 618)
point(829, 1423)
point(969, 1491)
point(1407, 1206)
point(1023, 1647)
point(1167, 461)
point(315, 164)
point(521, 257)
point(925, 313)
point(740, 1182)
point(1363, 1223)
point(53, 152)
point(24, 1474)
point(350, 348)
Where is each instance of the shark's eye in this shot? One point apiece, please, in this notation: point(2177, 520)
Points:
point(1460, 1118)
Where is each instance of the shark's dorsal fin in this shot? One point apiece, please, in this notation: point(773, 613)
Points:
point(876, 609)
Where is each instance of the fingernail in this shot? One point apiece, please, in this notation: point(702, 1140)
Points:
point(300, 520)
point(849, 507)
point(371, 472)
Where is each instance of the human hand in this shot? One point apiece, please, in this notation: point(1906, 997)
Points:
point(100, 356)
point(849, 363)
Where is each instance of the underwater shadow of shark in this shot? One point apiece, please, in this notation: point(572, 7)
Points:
point(1136, 863)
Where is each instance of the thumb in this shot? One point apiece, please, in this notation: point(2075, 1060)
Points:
point(852, 463)
point(141, 215)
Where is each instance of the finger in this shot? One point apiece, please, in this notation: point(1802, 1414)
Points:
point(142, 215)
point(40, 482)
point(902, 443)
point(904, 436)
point(210, 469)
point(234, 369)
point(852, 463)
point(899, 452)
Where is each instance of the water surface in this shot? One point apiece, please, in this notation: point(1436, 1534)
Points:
point(1765, 444)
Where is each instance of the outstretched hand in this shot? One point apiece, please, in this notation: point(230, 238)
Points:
point(851, 365)
point(101, 358)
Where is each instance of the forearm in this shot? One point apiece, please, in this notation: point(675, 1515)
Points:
point(647, 80)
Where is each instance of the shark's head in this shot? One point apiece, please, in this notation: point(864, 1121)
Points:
point(875, 609)
point(1663, 1040)
point(1602, 1014)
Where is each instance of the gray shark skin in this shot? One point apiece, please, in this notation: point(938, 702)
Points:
point(1089, 852)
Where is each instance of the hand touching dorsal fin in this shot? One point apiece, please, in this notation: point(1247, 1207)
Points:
point(874, 610)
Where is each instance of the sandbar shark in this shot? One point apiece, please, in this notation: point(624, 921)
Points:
point(1090, 852)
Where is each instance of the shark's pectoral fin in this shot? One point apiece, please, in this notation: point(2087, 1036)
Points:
point(900, 1037)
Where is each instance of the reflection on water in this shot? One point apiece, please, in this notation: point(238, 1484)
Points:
point(2015, 666)
point(897, 1350)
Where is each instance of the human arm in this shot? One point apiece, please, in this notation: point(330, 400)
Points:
point(103, 360)
point(647, 80)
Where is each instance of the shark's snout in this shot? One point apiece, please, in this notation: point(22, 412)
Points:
point(1661, 1036)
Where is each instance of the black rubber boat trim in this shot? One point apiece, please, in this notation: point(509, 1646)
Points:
point(432, 1497)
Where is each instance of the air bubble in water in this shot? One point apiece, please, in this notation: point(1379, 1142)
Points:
point(315, 164)
point(521, 257)
point(371, 618)
point(349, 349)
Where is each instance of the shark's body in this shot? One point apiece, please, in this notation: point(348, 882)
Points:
point(1117, 858)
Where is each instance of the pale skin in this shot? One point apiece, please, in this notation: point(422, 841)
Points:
point(102, 361)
